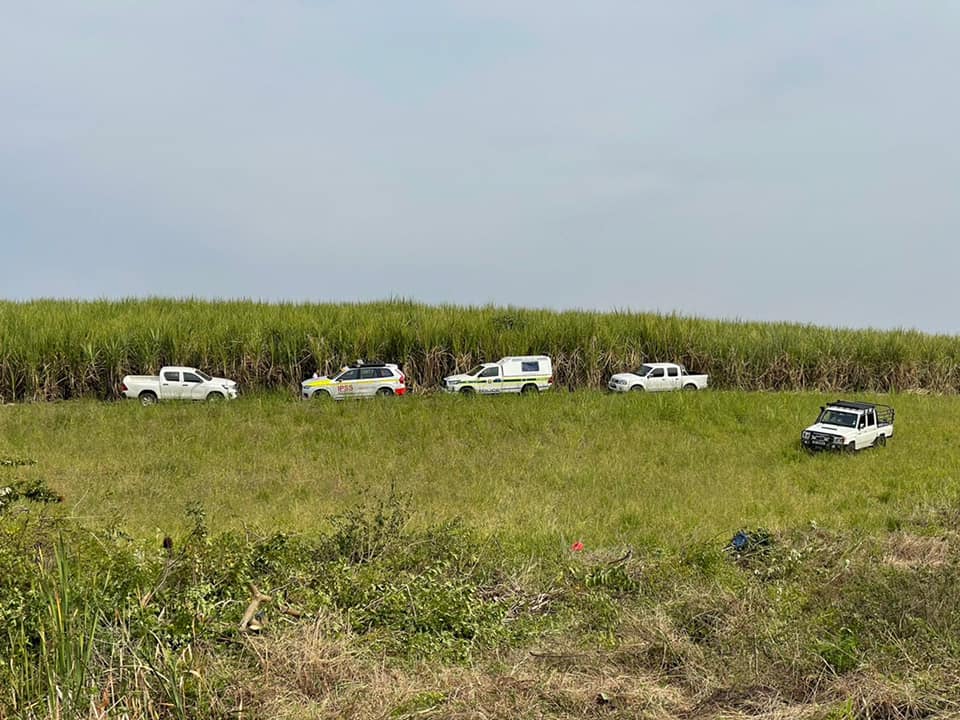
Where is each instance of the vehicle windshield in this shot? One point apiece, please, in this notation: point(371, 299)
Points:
point(474, 371)
point(837, 417)
point(202, 374)
point(643, 371)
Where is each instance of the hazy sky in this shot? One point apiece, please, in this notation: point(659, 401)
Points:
point(778, 159)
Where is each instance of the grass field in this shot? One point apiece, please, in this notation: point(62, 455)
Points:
point(385, 606)
point(545, 471)
point(418, 551)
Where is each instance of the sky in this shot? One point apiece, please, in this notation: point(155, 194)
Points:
point(764, 160)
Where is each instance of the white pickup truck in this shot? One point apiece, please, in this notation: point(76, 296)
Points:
point(849, 426)
point(657, 377)
point(177, 383)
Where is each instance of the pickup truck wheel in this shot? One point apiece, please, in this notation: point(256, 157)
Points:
point(528, 389)
point(637, 388)
point(881, 441)
point(689, 386)
point(147, 398)
point(384, 392)
point(214, 397)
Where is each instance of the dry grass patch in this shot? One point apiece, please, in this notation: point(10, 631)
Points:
point(319, 673)
point(906, 550)
point(313, 675)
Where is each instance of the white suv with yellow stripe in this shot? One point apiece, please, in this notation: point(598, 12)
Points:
point(357, 381)
point(522, 374)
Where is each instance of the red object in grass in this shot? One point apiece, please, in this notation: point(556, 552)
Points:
point(577, 546)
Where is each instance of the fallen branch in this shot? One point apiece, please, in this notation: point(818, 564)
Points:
point(258, 597)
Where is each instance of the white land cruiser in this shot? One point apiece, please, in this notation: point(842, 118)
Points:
point(522, 374)
point(177, 383)
point(371, 379)
point(657, 377)
point(845, 425)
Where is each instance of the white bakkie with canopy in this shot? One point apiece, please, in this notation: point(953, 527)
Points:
point(519, 374)
point(177, 383)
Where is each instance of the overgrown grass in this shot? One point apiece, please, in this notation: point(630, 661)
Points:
point(418, 558)
point(375, 618)
point(60, 348)
point(656, 470)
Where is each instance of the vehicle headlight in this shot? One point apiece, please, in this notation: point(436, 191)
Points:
point(837, 440)
point(806, 434)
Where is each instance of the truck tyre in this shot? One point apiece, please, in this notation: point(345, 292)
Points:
point(321, 395)
point(528, 389)
point(214, 397)
point(466, 391)
point(147, 398)
point(690, 386)
point(384, 392)
point(881, 440)
point(637, 388)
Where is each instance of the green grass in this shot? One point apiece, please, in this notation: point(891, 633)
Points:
point(63, 349)
point(847, 611)
point(662, 470)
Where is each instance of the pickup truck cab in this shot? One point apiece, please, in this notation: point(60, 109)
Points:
point(177, 383)
point(657, 377)
point(845, 425)
point(520, 374)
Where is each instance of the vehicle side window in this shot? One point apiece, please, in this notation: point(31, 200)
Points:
point(191, 378)
point(673, 372)
point(530, 366)
point(171, 376)
point(657, 372)
point(384, 372)
point(871, 420)
point(490, 372)
point(350, 375)
point(862, 422)
point(369, 373)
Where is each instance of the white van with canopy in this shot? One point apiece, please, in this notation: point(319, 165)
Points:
point(516, 374)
